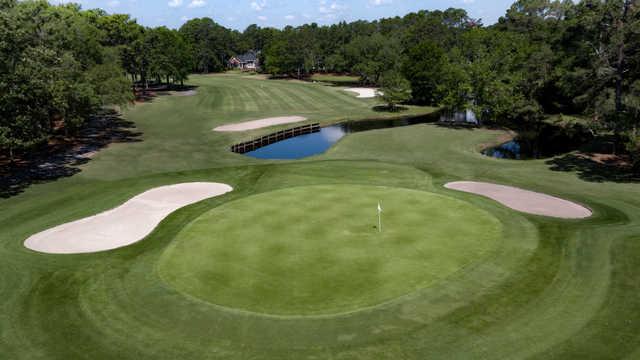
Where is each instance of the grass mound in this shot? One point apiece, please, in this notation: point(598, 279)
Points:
point(317, 250)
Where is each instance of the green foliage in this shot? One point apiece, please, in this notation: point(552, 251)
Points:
point(372, 56)
point(294, 51)
point(167, 54)
point(51, 77)
point(284, 57)
point(543, 56)
point(395, 90)
point(210, 44)
point(425, 65)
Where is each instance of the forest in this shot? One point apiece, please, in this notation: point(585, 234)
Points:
point(61, 64)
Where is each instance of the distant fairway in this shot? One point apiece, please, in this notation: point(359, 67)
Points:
point(435, 285)
point(336, 79)
point(316, 250)
point(177, 131)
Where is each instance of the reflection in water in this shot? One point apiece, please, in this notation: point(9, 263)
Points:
point(468, 117)
point(301, 146)
point(510, 150)
point(317, 143)
point(547, 141)
point(333, 133)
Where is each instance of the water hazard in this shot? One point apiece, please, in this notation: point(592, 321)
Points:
point(316, 143)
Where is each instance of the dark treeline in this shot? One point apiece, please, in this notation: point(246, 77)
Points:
point(543, 57)
point(59, 64)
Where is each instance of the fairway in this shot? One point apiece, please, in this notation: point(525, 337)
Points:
point(317, 250)
point(290, 265)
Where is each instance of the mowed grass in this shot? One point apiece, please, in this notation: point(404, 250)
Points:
point(178, 131)
point(547, 289)
point(317, 249)
point(336, 78)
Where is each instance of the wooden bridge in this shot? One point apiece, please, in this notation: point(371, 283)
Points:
point(255, 144)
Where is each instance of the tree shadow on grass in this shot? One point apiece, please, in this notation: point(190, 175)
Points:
point(595, 171)
point(61, 158)
point(461, 125)
point(598, 161)
point(385, 108)
point(150, 93)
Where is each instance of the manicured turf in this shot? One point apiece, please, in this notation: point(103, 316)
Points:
point(547, 288)
point(317, 250)
point(336, 79)
point(177, 131)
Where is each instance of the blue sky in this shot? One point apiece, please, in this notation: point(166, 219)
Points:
point(238, 14)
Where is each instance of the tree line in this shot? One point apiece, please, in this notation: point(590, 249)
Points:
point(542, 57)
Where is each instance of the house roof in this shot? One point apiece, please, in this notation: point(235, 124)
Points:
point(249, 56)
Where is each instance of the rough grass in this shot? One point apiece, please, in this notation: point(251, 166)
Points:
point(551, 288)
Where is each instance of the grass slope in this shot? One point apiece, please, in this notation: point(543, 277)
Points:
point(550, 288)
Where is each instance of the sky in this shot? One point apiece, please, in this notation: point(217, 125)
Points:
point(238, 14)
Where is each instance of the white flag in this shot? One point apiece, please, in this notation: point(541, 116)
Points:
point(379, 217)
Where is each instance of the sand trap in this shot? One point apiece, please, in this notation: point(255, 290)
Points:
point(364, 93)
point(185, 93)
point(124, 225)
point(523, 200)
point(258, 124)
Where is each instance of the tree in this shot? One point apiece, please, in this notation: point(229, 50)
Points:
point(372, 56)
point(395, 90)
point(425, 66)
point(168, 55)
point(292, 52)
point(604, 39)
point(211, 44)
point(52, 79)
point(488, 72)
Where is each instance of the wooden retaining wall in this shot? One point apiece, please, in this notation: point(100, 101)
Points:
point(255, 144)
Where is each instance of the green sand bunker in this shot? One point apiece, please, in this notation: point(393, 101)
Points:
point(317, 250)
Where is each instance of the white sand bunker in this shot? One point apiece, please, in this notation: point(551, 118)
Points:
point(364, 93)
point(185, 93)
point(258, 124)
point(124, 225)
point(523, 200)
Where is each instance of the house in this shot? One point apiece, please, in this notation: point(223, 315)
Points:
point(246, 62)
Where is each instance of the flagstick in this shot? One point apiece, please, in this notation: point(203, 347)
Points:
point(379, 218)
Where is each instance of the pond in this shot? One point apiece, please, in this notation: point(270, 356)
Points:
point(303, 146)
point(547, 141)
point(509, 150)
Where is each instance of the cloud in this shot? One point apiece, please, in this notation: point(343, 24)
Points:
point(258, 5)
point(262, 18)
point(330, 11)
point(380, 2)
point(175, 3)
point(290, 17)
point(197, 4)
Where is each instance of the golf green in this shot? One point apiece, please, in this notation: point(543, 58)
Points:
point(317, 250)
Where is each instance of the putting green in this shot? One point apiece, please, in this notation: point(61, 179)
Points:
point(316, 250)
